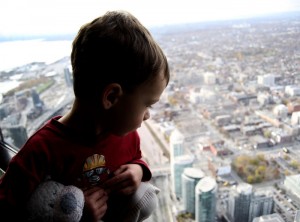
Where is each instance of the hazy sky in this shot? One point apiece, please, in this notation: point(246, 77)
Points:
point(34, 17)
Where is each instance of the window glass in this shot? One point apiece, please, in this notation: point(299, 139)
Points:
point(231, 107)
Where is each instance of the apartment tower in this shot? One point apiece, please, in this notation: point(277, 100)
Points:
point(189, 179)
point(205, 192)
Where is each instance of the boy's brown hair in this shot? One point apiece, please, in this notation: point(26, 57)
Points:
point(114, 48)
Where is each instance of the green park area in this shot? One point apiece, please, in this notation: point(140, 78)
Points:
point(255, 169)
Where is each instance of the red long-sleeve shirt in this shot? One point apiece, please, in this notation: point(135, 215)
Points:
point(67, 157)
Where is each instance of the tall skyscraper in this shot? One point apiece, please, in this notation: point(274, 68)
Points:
point(19, 135)
point(244, 204)
point(206, 200)
point(176, 144)
point(68, 77)
point(189, 179)
point(239, 202)
point(37, 102)
point(177, 168)
point(261, 204)
point(269, 218)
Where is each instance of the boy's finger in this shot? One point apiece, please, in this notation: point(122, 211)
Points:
point(113, 181)
point(102, 199)
point(127, 190)
point(108, 190)
point(92, 190)
point(120, 170)
point(89, 191)
point(120, 186)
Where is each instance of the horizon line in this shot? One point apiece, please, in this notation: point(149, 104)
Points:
point(67, 35)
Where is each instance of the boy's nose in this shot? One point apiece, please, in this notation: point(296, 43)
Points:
point(146, 115)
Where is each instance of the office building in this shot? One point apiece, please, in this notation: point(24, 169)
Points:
point(292, 183)
point(295, 118)
point(269, 218)
point(292, 90)
point(266, 80)
point(297, 216)
point(244, 204)
point(261, 204)
point(239, 203)
point(37, 102)
point(280, 111)
point(176, 144)
point(189, 180)
point(177, 168)
point(68, 77)
point(205, 208)
point(18, 134)
point(209, 78)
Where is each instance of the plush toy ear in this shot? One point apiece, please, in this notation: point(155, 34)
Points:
point(69, 207)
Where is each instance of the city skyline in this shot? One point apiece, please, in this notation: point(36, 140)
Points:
point(233, 104)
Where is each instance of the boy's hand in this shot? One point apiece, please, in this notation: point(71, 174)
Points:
point(95, 204)
point(126, 179)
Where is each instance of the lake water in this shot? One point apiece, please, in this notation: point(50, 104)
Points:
point(7, 85)
point(18, 53)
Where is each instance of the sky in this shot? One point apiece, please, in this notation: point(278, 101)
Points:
point(46, 17)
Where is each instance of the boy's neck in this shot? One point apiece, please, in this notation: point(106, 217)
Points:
point(83, 119)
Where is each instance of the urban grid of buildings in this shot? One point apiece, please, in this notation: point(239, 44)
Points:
point(228, 124)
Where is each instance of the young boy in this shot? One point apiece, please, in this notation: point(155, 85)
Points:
point(119, 71)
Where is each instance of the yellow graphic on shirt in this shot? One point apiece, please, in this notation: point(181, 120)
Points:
point(94, 170)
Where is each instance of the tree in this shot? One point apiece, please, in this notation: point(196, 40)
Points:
point(294, 164)
point(250, 179)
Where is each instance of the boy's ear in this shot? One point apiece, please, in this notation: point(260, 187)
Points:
point(111, 95)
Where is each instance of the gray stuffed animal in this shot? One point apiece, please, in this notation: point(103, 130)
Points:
point(52, 201)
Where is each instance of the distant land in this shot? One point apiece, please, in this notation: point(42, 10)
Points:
point(45, 37)
point(209, 24)
point(173, 28)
